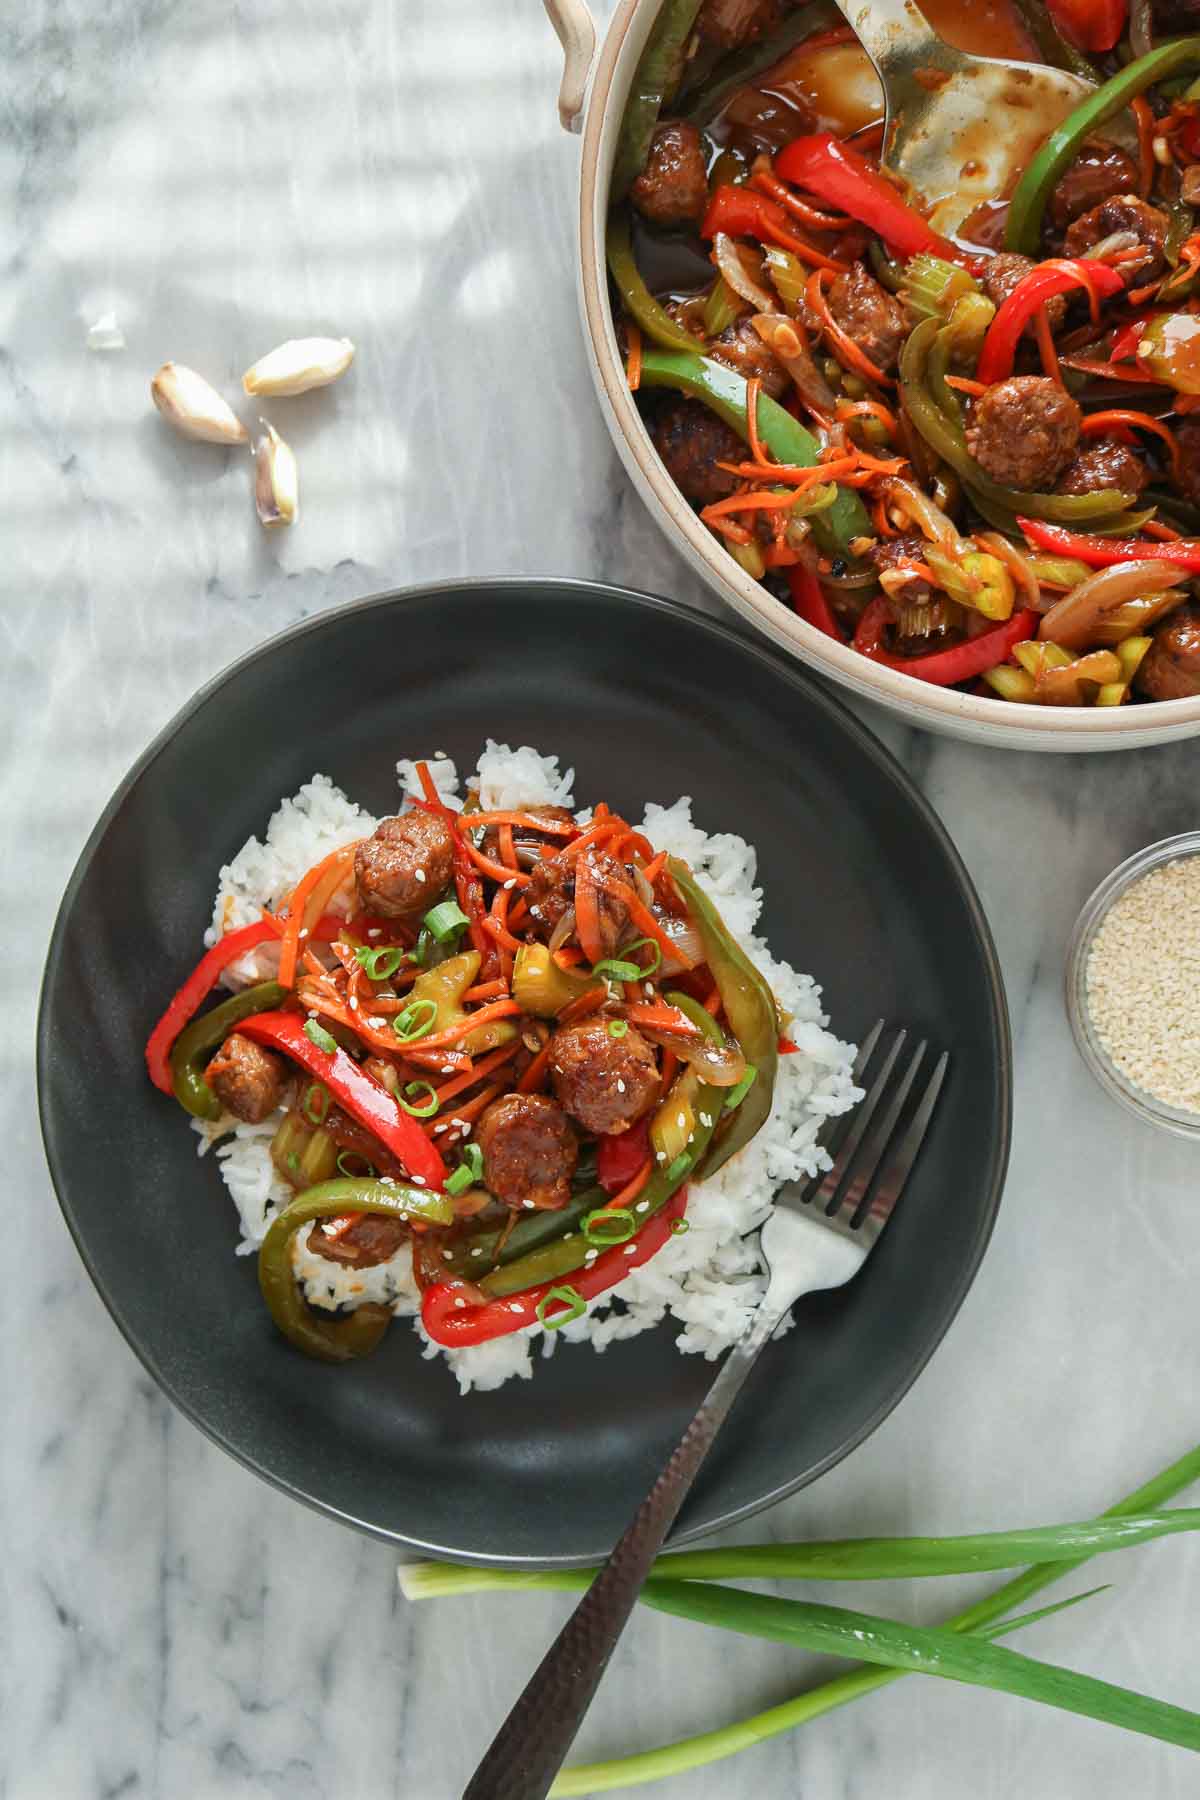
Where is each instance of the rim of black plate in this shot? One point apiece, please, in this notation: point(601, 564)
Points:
point(887, 767)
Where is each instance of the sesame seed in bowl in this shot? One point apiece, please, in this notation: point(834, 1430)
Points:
point(1133, 984)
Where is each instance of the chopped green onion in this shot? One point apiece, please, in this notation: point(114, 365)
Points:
point(617, 1027)
point(424, 945)
point(347, 1159)
point(680, 1227)
point(317, 1034)
point(446, 920)
point(738, 1093)
point(469, 1170)
point(640, 944)
point(679, 1167)
point(416, 1021)
point(567, 1297)
point(618, 1216)
point(380, 964)
point(613, 968)
point(427, 1108)
point(315, 1104)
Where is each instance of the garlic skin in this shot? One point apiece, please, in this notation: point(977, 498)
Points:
point(276, 480)
point(298, 365)
point(195, 408)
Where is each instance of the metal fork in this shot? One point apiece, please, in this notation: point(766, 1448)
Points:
point(819, 1235)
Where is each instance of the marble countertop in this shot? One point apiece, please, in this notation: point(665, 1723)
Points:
point(222, 177)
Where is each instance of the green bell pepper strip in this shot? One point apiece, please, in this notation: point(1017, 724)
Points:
point(750, 1010)
point(343, 1338)
point(1029, 203)
point(191, 1049)
point(724, 391)
point(700, 1016)
point(658, 74)
point(636, 297)
point(475, 1253)
point(945, 437)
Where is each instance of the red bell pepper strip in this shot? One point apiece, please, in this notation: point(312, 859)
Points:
point(204, 978)
point(945, 668)
point(1126, 341)
point(1029, 295)
point(452, 1321)
point(808, 598)
point(1091, 25)
point(200, 982)
point(364, 1098)
point(842, 176)
point(1100, 552)
point(619, 1157)
point(744, 212)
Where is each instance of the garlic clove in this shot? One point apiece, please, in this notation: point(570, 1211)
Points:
point(298, 365)
point(194, 407)
point(276, 480)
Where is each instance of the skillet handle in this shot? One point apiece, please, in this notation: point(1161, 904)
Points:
point(577, 34)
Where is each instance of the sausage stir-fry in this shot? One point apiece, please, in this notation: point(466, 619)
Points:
point(508, 1039)
point(972, 457)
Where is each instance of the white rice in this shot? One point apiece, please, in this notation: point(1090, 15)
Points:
point(710, 1278)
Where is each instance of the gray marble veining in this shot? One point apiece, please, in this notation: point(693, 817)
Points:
point(222, 176)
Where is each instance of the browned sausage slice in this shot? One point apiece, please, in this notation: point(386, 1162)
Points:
point(247, 1080)
point(529, 1151)
point(603, 1081)
point(402, 869)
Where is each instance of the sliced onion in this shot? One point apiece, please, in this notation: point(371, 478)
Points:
point(1116, 240)
point(1072, 621)
point(687, 942)
point(721, 1065)
point(562, 931)
point(779, 334)
point(1017, 564)
point(936, 525)
point(732, 264)
point(644, 889)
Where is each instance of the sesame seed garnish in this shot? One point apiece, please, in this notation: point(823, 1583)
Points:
point(374, 931)
point(304, 931)
point(1143, 983)
point(447, 1256)
point(681, 1120)
point(642, 1206)
point(528, 1205)
point(459, 1301)
point(420, 874)
point(620, 1085)
point(630, 1249)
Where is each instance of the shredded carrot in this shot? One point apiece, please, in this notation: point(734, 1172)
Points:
point(750, 502)
point(1144, 115)
point(459, 1082)
point(633, 362)
point(568, 957)
point(429, 787)
point(641, 916)
point(486, 990)
point(713, 1003)
point(588, 1002)
point(499, 933)
point(670, 1062)
point(868, 409)
point(1045, 344)
point(1138, 295)
point(441, 1062)
point(535, 1074)
point(753, 390)
point(467, 1113)
point(879, 465)
point(496, 870)
point(310, 897)
point(964, 385)
point(737, 534)
point(801, 209)
point(1157, 529)
point(883, 524)
point(524, 821)
point(596, 833)
point(1113, 371)
point(499, 1009)
point(587, 910)
point(631, 843)
point(518, 913)
point(633, 1188)
point(849, 351)
point(797, 475)
point(661, 1018)
point(1141, 421)
point(655, 867)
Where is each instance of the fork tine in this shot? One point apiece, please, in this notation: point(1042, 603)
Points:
point(894, 1179)
point(840, 1128)
point(866, 1165)
point(866, 1051)
point(822, 1189)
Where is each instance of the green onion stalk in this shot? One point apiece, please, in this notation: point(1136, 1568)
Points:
point(1066, 1546)
point(1025, 215)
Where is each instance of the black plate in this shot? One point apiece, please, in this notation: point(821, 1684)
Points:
point(645, 699)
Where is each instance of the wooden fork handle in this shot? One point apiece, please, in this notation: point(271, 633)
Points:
point(528, 1750)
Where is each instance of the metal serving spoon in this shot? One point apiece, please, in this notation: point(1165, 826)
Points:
point(960, 128)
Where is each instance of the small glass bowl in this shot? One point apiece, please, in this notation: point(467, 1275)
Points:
point(1134, 1099)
